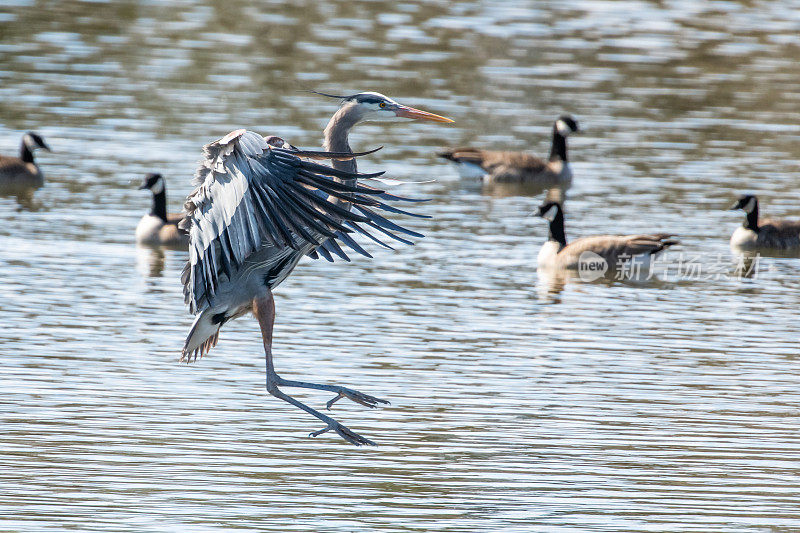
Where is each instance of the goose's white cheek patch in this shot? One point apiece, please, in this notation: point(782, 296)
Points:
point(550, 214)
point(158, 186)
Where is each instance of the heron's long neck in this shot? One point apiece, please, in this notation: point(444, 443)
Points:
point(25, 153)
point(336, 133)
point(751, 222)
point(558, 151)
point(557, 229)
point(159, 207)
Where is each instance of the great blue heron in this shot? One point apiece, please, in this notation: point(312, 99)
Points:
point(519, 167)
point(260, 205)
point(23, 172)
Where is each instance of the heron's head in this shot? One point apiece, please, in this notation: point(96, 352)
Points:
point(33, 141)
point(549, 210)
point(565, 125)
point(154, 182)
point(375, 106)
point(746, 202)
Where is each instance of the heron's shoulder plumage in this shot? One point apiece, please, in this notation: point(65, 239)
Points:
point(250, 195)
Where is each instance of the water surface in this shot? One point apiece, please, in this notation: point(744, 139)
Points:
point(669, 405)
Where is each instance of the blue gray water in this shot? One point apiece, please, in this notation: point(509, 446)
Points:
point(516, 405)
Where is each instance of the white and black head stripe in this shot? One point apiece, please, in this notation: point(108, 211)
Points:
point(367, 97)
point(158, 185)
point(154, 182)
point(33, 140)
point(551, 212)
point(566, 125)
point(370, 98)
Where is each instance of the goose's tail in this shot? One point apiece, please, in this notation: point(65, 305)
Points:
point(202, 337)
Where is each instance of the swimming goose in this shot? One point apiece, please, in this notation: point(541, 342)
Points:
point(157, 227)
point(615, 250)
point(22, 171)
point(764, 233)
point(518, 167)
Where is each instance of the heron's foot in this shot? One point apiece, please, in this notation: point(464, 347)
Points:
point(341, 392)
point(346, 433)
point(356, 396)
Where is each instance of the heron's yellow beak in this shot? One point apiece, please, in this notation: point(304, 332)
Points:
point(410, 112)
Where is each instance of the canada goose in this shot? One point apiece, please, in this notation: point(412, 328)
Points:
point(157, 227)
point(518, 167)
point(22, 171)
point(615, 250)
point(764, 233)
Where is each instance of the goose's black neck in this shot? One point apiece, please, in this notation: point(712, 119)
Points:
point(159, 207)
point(751, 221)
point(558, 151)
point(556, 232)
point(25, 153)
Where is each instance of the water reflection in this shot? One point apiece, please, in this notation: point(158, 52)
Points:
point(550, 281)
point(24, 197)
point(150, 261)
point(502, 190)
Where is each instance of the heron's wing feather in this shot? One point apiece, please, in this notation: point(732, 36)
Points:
point(372, 219)
point(250, 194)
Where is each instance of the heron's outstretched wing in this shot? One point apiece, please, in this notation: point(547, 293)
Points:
point(251, 194)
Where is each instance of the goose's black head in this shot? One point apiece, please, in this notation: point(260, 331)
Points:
point(746, 202)
point(566, 125)
point(33, 140)
point(154, 182)
point(549, 211)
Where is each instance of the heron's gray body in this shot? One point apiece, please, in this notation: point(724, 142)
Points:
point(260, 205)
point(256, 212)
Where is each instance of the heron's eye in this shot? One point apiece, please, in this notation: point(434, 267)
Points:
point(382, 105)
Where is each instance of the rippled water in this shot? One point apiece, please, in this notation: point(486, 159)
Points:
point(517, 405)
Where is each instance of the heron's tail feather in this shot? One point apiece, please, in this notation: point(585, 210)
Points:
point(202, 337)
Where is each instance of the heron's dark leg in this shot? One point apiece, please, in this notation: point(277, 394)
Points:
point(264, 310)
point(341, 392)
